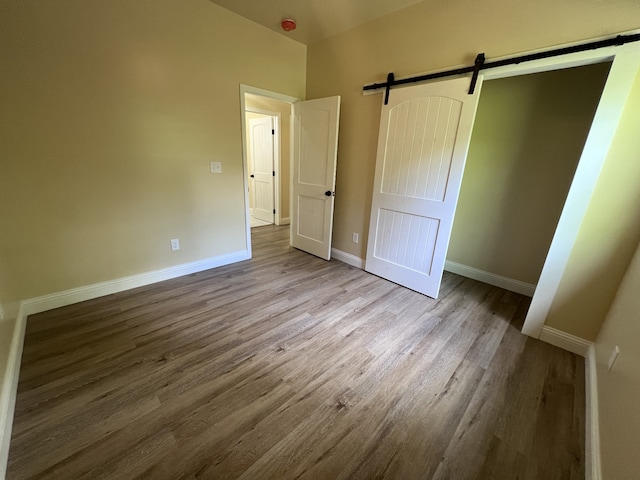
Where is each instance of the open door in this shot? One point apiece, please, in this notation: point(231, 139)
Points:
point(424, 137)
point(261, 133)
point(315, 148)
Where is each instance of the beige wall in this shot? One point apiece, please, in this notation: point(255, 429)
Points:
point(527, 140)
point(424, 38)
point(111, 112)
point(608, 235)
point(427, 37)
point(619, 389)
point(284, 109)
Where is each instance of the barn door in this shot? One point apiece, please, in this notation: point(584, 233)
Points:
point(424, 137)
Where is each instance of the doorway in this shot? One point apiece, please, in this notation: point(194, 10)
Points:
point(625, 61)
point(278, 107)
point(611, 104)
point(304, 165)
point(267, 134)
point(527, 139)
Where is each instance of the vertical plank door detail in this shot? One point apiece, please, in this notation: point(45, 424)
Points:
point(424, 137)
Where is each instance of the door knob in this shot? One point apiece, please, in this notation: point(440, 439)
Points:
point(328, 193)
point(252, 175)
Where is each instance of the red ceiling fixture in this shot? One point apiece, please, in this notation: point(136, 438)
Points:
point(288, 24)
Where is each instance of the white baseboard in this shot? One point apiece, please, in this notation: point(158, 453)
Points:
point(568, 342)
point(593, 469)
point(285, 221)
point(68, 297)
point(586, 349)
point(490, 278)
point(9, 388)
point(348, 258)
point(9, 385)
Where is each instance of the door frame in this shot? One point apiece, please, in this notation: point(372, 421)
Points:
point(275, 96)
point(625, 62)
point(277, 185)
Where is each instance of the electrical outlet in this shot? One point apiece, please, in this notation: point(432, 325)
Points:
point(614, 356)
point(216, 167)
point(175, 244)
point(355, 238)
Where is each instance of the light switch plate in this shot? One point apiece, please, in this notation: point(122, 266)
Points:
point(216, 167)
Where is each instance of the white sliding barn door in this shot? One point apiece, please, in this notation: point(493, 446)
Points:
point(422, 148)
point(262, 146)
point(315, 148)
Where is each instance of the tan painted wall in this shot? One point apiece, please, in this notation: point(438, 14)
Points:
point(619, 389)
point(424, 38)
point(111, 112)
point(527, 140)
point(608, 235)
point(427, 37)
point(284, 109)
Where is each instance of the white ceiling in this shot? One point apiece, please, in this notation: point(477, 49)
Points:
point(316, 19)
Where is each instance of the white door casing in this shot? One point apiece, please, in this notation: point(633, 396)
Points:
point(262, 153)
point(424, 137)
point(315, 147)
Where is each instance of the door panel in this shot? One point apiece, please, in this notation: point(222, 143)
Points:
point(315, 147)
point(262, 154)
point(420, 147)
point(424, 136)
point(406, 240)
point(316, 209)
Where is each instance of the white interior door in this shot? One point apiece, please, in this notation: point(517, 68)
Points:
point(261, 140)
point(315, 148)
point(424, 137)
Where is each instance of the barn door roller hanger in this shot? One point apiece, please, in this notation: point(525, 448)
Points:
point(481, 64)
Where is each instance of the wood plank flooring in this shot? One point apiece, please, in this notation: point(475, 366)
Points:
point(287, 367)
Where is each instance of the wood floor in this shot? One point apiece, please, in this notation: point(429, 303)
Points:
point(287, 366)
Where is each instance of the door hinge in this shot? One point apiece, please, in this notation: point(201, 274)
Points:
point(274, 173)
point(273, 132)
point(274, 211)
